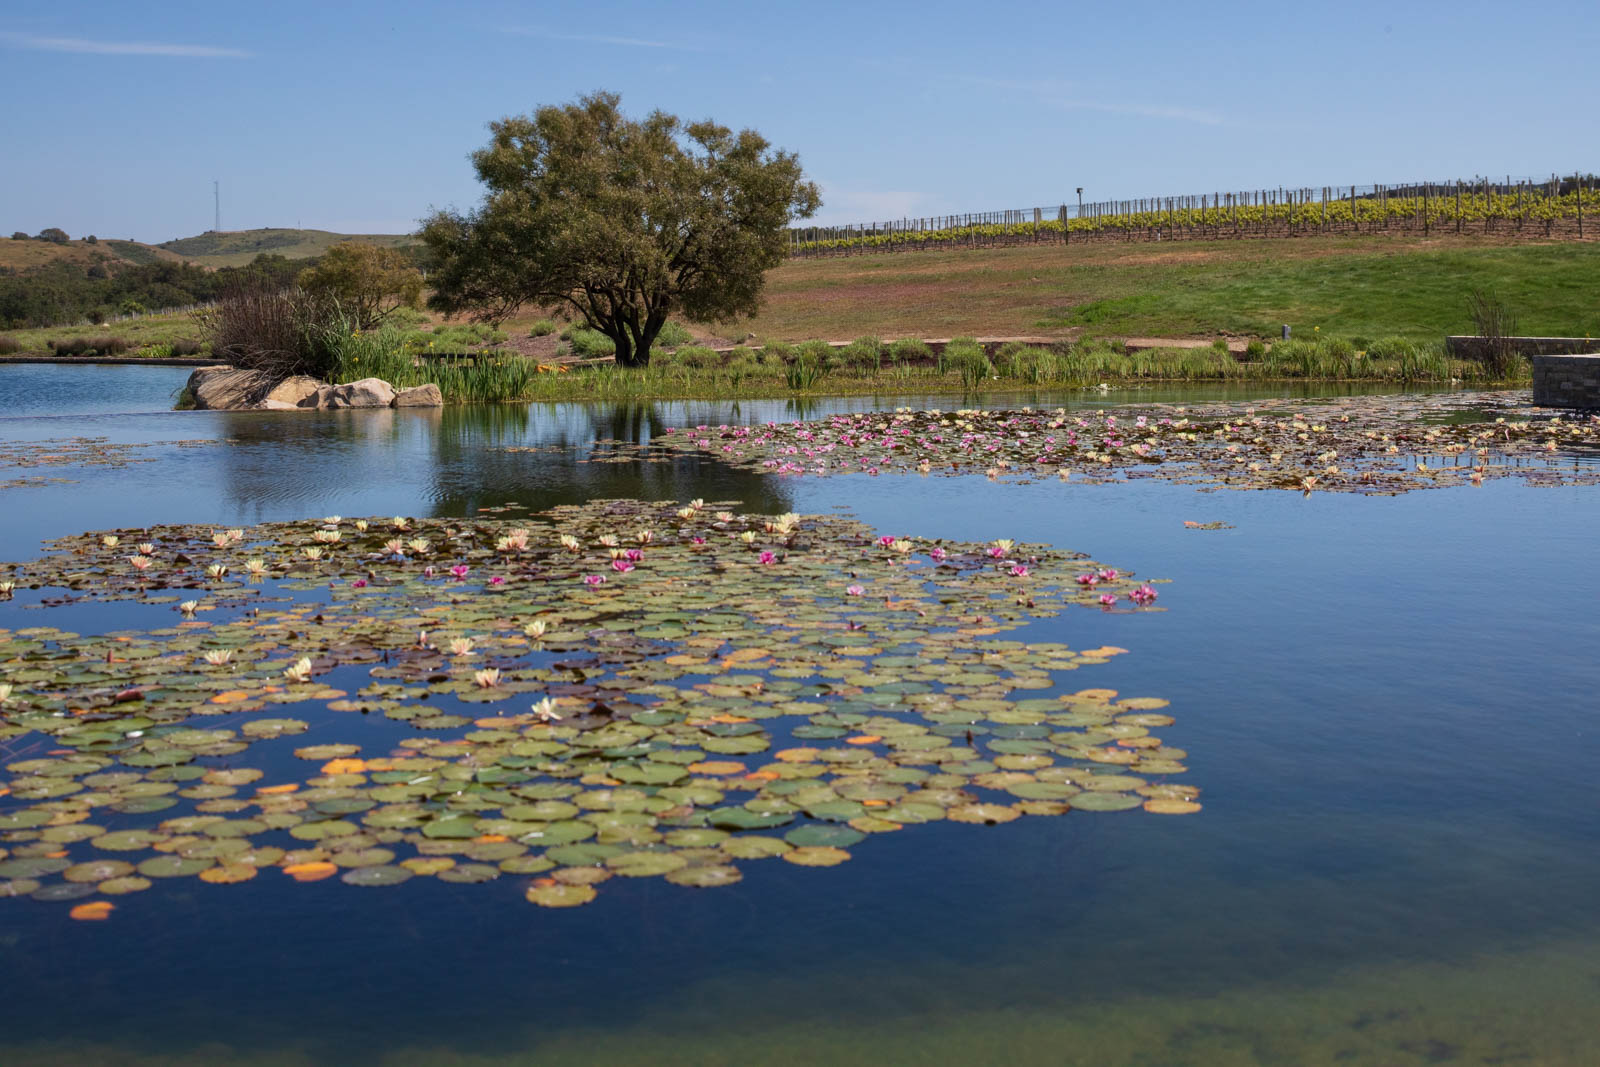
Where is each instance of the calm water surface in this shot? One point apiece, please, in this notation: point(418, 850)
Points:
point(1388, 702)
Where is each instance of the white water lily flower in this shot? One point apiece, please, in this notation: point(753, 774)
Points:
point(570, 543)
point(487, 678)
point(147, 549)
point(299, 670)
point(418, 545)
point(110, 540)
point(332, 520)
point(326, 537)
point(546, 710)
point(535, 629)
point(686, 513)
point(219, 657)
point(399, 523)
point(188, 606)
point(724, 516)
point(361, 525)
point(140, 563)
point(608, 541)
point(5, 692)
point(6, 587)
point(461, 646)
point(255, 567)
point(310, 552)
point(217, 570)
point(395, 547)
point(748, 537)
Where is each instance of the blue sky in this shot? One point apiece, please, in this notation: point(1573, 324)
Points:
point(359, 116)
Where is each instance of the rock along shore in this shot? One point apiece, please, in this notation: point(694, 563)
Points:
point(227, 388)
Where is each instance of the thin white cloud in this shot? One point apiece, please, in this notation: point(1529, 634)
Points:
point(120, 48)
point(589, 38)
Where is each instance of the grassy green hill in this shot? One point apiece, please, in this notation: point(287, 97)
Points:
point(29, 255)
point(235, 248)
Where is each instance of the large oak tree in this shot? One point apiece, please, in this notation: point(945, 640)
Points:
point(618, 222)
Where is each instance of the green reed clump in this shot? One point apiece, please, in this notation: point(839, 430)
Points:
point(542, 328)
point(806, 369)
point(909, 350)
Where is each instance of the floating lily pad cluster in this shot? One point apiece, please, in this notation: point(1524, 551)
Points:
point(614, 690)
point(1377, 444)
point(73, 452)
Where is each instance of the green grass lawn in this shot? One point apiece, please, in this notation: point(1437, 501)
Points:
point(1552, 290)
point(1347, 286)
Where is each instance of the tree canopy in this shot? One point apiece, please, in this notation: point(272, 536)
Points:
point(618, 222)
point(367, 281)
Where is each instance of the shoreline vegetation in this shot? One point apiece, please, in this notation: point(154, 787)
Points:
point(1362, 309)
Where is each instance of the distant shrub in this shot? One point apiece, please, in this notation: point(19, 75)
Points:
point(591, 344)
point(91, 240)
point(776, 353)
point(98, 315)
point(541, 328)
point(1255, 351)
point(20, 236)
point(1220, 345)
point(819, 352)
point(909, 350)
point(131, 307)
point(1392, 348)
point(55, 235)
point(966, 357)
point(8, 345)
point(696, 356)
point(674, 334)
point(185, 348)
point(956, 346)
point(743, 358)
point(864, 353)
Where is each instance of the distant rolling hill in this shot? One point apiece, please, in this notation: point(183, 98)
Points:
point(234, 248)
point(212, 249)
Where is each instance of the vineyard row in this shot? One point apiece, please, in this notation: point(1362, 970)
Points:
point(1556, 209)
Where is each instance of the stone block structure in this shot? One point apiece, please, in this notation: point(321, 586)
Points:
point(1567, 381)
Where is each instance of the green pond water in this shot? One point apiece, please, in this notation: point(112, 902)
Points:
point(1387, 704)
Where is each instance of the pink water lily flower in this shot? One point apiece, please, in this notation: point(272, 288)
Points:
point(497, 580)
point(594, 580)
point(621, 566)
point(1109, 574)
point(1018, 571)
point(359, 583)
point(459, 571)
point(1087, 580)
point(767, 557)
point(1107, 599)
point(633, 555)
point(428, 572)
point(937, 553)
point(854, 590)
point(1143, 595)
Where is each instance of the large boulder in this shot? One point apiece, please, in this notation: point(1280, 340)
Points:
point(420, 396)
point(366, 393)
point(228, 388)
point(287, 394)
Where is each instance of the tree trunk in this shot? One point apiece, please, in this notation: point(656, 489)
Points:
point(626, 356)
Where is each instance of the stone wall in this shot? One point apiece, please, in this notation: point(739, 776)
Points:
point(1470, 347)
point(1567, 381)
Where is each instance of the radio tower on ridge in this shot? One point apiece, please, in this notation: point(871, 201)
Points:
point(216, 195)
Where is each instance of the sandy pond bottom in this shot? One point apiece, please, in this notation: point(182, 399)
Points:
point(1387, 703)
